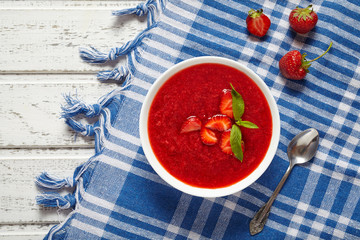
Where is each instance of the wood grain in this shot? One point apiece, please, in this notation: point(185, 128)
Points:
point(48, 35)
point(18, 169)
point(39, 63)
point(31, 109)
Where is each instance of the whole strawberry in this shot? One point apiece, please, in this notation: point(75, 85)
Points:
point(257, 23)
point(302, 20)
point(294, 66)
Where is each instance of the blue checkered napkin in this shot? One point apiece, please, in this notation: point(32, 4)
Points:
point(119, 196)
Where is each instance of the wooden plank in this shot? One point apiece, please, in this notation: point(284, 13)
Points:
point(44, 37)
point(20, 217)
point(48, 34)
point(30, 107)
point(24, 232)
point(18, 169)
point(69, 4)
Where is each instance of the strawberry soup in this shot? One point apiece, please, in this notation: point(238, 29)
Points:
point(194, 98)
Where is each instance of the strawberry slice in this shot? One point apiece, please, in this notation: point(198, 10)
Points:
point(225, 143)
point(207, 136)
point(191, 124)
point(226, 103)
point(219, 122)
point(257, 23)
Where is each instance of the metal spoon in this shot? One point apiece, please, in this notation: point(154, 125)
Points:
point(301, 149)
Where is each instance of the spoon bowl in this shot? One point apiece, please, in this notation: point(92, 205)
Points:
point(303, 146)
point(301, 149)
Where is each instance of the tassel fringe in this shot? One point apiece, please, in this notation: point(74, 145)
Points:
point(52, 182)
point(151, 7)
point(118, 74)
point(85, 130)
point(82, 174)
point(92, 55)
point(56, 200)
point(75, 107)
point(139, 10)
point(106, 98)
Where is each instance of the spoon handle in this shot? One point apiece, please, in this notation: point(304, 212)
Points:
point(258, 222)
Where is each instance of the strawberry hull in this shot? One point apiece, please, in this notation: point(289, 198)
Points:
point(303, 20)
point(197, 91)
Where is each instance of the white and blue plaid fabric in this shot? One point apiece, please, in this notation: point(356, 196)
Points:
point(119, 196)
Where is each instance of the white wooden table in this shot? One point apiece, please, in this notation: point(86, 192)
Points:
point(39, 62)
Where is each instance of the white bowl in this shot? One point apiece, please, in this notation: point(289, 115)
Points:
point(206, 192)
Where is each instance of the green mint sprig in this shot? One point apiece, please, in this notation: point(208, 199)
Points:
point(247, 124)
point(235, 142)
point(238, 107)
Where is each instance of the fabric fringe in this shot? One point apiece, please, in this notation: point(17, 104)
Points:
point(122, 74)
point(85, 130)
point(56, 200)
point(104, 100)
point(94, 56)
point(75, 107)
point(118, 74)
point(140, 10)
point(151, 8)
point(44, 180)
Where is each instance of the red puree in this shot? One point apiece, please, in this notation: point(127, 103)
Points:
point(196, 91)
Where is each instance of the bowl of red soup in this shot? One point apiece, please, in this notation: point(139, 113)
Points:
point(209, 126)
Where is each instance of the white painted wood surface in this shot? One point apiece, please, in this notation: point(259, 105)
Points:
point(39, 62)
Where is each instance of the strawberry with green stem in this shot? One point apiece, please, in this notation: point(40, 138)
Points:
point(294, 65)
point(302, 20)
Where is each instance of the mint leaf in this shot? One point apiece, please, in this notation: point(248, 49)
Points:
point(235, 142)
point(247, 124)
point(238, 105)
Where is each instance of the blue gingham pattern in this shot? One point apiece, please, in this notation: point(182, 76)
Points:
point(119, 196)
